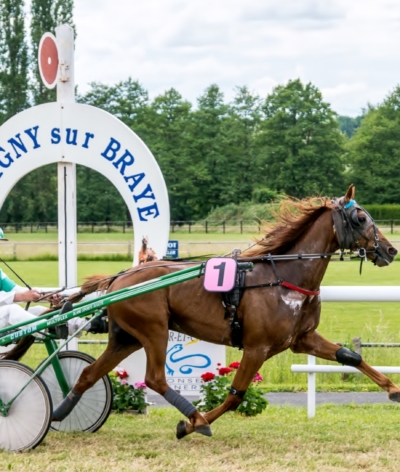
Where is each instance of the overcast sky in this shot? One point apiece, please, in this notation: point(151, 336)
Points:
point(349, 49)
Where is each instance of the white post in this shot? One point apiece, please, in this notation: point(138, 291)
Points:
point(311, 395)
point(67, 248)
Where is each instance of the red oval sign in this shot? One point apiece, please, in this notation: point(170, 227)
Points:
point(48, 60)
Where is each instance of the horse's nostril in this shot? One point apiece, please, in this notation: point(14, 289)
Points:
point(392, 251)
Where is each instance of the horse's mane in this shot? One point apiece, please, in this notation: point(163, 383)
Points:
point(292, 219)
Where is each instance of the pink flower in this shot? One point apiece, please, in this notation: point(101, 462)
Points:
point(257, 377)
point(207, 376)
point(225, 370)
point(141, 385)
point(124, 382)
point(234, 365)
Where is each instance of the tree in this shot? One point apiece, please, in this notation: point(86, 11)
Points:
point(301, 145)
point(100, 96)
point(375, 153)
point(240, 130)
point(97, 198)
point(208, 149)
point(170, 144)
point(33, 199)
point(13, 59)
point(46, 16)
point(349, 125)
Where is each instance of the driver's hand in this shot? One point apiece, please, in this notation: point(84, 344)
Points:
point(55, 298)
point(27, 296)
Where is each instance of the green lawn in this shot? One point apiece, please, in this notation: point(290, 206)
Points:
point(45, 273)
point(282, 439)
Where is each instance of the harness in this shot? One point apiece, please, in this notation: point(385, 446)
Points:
point(231, 300)
point(349, 230)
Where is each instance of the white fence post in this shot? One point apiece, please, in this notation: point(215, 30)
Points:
point(311, 393)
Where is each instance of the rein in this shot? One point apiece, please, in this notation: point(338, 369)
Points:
point(283, 283)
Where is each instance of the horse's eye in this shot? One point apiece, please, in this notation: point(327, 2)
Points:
point(362, 219)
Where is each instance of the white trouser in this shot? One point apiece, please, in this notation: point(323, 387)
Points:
point(12, 314)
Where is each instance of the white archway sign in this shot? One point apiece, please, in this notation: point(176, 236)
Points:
point(69, 133)
point(82, 134)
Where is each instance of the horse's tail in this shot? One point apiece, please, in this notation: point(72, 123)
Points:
point(95, 283)
point(19, 350)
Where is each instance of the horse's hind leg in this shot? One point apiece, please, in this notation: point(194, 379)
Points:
point(156, 349)
point(316, 345)
point(110, 358)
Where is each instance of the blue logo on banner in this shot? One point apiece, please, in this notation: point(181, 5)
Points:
point(173, 249)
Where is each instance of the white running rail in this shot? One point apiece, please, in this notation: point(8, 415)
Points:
point(312, 369)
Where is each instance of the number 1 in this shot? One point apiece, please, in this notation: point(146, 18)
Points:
point(221, 269)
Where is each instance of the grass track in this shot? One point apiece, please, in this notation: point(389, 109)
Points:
point(340, 438)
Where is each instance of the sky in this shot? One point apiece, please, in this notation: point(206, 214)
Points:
point(349, 49)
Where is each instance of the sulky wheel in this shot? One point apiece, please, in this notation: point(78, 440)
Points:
point(27, 421)
point(95, 405)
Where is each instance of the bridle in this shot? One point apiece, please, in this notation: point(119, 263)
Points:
point(350, 229)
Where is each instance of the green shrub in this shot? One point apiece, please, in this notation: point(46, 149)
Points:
point(265, 195)
point(388, 211)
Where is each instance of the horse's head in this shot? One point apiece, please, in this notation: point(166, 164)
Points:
point(144, 241)
point(356, 230)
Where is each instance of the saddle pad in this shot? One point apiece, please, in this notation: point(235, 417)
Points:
point(220, 274)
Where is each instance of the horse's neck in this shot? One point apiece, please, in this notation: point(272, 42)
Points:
point(319, 239)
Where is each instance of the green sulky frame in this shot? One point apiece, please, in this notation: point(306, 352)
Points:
point(83, 309)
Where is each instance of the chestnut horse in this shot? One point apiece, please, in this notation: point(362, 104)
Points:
point(280, 307)
point(146, 254)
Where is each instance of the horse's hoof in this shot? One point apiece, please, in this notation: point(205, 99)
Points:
point(395, 396)
point(203, 429)
point(181, 429)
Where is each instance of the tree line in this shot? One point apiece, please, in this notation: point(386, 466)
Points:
point(212, 153)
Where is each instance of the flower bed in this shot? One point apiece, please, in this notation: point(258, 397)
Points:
point(128, 397)
point(216, 388)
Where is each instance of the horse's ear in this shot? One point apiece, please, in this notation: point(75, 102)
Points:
point(351, 191)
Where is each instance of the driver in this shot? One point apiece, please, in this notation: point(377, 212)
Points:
point(11, 294)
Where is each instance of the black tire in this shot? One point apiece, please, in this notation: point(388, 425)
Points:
point(30, 414)
point(95, 405)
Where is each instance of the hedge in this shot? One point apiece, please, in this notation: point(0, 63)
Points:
point(387, 211)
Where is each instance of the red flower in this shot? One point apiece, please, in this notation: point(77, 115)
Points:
point(122, 373)
point(219, 363)
point(224, 370)
point(234, 365)
point(208, 376)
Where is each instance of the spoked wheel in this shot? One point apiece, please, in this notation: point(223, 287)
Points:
point(29, 416)
point(95, 405)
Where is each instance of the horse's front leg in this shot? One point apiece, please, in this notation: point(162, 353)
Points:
point(252, 360)
point(316, 345)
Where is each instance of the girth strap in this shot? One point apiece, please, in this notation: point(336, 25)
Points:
point(231, 301)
